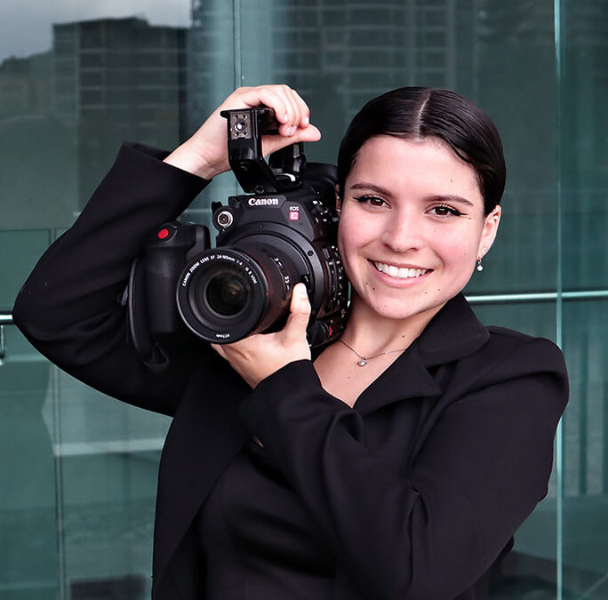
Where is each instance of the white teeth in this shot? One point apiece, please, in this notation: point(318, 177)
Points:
point(400, 273)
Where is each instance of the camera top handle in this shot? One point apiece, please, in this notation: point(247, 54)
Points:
point(245, 129)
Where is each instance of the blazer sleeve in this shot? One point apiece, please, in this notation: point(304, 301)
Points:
point(69, 309)
point(430, 533)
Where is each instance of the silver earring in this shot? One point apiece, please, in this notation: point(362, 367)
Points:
point(479, 265)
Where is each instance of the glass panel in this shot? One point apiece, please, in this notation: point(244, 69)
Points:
point(213, 73)
point(585, 544)
point(109, 460)
point(29, 562)
point(78, 470)
point(21, 250)
point(584, 160)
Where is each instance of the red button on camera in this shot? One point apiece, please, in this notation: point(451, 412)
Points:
point(163, 234)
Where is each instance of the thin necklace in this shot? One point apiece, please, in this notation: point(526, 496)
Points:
point(364, 359)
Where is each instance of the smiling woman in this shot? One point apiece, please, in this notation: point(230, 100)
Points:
point(420, 175)
point(412, 227)
point(393, 465)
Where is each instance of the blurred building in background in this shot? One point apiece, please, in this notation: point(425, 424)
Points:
point(116, 80)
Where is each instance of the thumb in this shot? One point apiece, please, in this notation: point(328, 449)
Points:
point(297, 321)
point(307, 134)
point(272, 143)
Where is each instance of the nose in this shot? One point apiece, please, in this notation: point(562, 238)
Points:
point(402, 233)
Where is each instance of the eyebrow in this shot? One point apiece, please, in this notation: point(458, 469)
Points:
point(449, 198)
point(432, 198)
point(371, 186)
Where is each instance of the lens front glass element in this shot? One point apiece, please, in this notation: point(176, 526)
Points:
point(228, 292)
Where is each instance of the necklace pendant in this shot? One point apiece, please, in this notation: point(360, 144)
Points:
point(362, 362)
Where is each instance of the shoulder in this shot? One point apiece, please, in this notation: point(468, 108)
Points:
point(519, 366)
point(507, 346)
point(456, 337)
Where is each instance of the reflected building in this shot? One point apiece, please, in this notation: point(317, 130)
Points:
point(116, 80)
point(335, 53)
point(36, 151)
point(211, 58)
point(363, 49)
point(26, 86)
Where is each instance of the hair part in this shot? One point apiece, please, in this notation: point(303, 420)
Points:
point(418, 113)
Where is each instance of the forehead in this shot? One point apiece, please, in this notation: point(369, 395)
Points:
point(427, 165)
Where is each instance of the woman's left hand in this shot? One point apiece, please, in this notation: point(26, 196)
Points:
point(256, 357)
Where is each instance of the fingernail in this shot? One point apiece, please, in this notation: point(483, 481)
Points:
point(301, 291)
point(285, 117)
point(291, 130)
point(306, 121)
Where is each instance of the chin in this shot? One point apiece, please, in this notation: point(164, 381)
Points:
point(399, 311)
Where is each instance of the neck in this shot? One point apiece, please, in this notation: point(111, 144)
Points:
point(370, 333)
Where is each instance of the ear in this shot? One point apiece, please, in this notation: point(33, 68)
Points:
point(490, 229)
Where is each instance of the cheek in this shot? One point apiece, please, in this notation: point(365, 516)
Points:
point(351, 239)
point(349, 235)
point(341, 237)
point(456, 249)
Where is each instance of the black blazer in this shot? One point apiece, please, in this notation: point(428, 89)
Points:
point(417, 489)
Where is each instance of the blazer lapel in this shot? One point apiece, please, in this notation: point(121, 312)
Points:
point(406, 378)
point(454, 332)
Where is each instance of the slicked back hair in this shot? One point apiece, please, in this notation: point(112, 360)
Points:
point(416, 113)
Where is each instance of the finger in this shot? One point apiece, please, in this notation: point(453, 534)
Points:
point(304, 110)
point(310, 134)
point(272, 143)
point(287, 116)
point(299, 300)
point(290, 109)
point(252, 97)
point(293, 109)
point(277, 98)
point(299, 315)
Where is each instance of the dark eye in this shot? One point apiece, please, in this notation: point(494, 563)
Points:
point(371, 200)
point(445, 211)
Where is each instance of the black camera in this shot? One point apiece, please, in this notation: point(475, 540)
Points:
point(281, 232)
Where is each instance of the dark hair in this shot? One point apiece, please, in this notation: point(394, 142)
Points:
point(416, 113)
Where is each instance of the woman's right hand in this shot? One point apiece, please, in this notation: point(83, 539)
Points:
point(206, 153)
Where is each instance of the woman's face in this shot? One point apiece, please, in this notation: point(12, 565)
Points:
point(412, 225)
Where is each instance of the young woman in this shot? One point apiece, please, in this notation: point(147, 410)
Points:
point(397, 462)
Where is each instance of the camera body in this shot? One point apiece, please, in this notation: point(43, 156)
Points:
point(281, 233)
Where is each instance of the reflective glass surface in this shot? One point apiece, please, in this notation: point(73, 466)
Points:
point(78, 470)
point(583, 162)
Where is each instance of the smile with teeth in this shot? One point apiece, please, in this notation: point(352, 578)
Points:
point(399, 272)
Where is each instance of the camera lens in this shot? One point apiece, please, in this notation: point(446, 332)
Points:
point(227, 292)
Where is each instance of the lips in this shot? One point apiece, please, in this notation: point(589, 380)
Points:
point(399, 272)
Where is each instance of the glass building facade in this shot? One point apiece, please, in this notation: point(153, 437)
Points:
point(78, 470)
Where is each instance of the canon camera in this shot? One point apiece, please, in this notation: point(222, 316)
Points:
point(281, 232)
